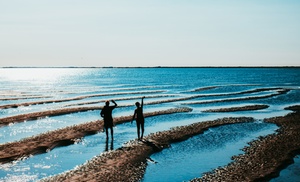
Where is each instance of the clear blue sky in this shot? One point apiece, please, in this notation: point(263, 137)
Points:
point(149, 33)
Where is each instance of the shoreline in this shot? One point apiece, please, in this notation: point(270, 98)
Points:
point(65, 136)
point(260, 162)
point(265, 157)
point(128, 163)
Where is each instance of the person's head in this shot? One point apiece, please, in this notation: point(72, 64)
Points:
point(137, 104)
point(107, 103)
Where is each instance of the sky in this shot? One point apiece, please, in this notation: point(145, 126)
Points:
point(146, 33)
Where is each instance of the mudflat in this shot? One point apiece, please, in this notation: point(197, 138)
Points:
point(262, 160)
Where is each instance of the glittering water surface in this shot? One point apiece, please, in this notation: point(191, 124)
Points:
point(80, 87)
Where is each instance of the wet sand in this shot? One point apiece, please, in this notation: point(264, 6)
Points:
point(42, 114)
point(278, 91)
point(118, 99)
point(24, 97)
point(62, 137)
point(72, 99)
point(56, 112)
point(265, 157)
point(128, 163)
point(262, 160)
point(32, 116)
point(242, 108)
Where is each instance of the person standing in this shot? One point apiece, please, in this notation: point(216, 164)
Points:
point(106, 113)
point(139, 117)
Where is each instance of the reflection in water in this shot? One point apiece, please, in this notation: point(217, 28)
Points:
point(111, 144)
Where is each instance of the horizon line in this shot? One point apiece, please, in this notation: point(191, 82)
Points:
point(150, 66)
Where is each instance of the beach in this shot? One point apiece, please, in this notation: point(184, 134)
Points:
point(262, 160)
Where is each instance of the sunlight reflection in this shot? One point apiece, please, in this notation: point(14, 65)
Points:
point(41, 74)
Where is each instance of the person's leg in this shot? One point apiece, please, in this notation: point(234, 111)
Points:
point(112, 132)
point(142, 126)
point(106, 131)
point(106, 145)
point(138, 129)
point(111, 144)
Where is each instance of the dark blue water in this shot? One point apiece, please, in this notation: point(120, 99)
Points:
point(291, 173)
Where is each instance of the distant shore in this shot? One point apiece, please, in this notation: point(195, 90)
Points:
point(8, 67)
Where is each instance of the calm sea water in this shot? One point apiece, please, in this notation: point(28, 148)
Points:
point(22, 85)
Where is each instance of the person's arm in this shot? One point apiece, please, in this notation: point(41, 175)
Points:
point(114, 103)
point(101, 113)
point(133, 116)
point(142, 102)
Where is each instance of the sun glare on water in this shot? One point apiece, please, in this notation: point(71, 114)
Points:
point(37, 74)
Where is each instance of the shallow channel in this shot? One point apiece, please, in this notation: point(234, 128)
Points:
point(202, 153)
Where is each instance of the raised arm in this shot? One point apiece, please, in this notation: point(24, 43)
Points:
point(142, 102)
point(114, 103)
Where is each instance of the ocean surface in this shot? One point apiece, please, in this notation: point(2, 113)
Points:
point(198, 88)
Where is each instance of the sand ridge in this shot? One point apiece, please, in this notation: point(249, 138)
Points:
point(262, 160)
point(65, 136)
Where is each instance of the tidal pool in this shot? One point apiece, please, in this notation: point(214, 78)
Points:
point(291, 173)
point(202, 153)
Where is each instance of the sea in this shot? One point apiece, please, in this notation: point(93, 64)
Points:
point(42, 89)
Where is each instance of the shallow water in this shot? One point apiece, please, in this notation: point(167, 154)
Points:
point(202, 153)
point(291, 173)
point(62, 158)
point(21, 130)
point(172, 83)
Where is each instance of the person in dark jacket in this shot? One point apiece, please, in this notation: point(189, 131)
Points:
point(106, 113)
